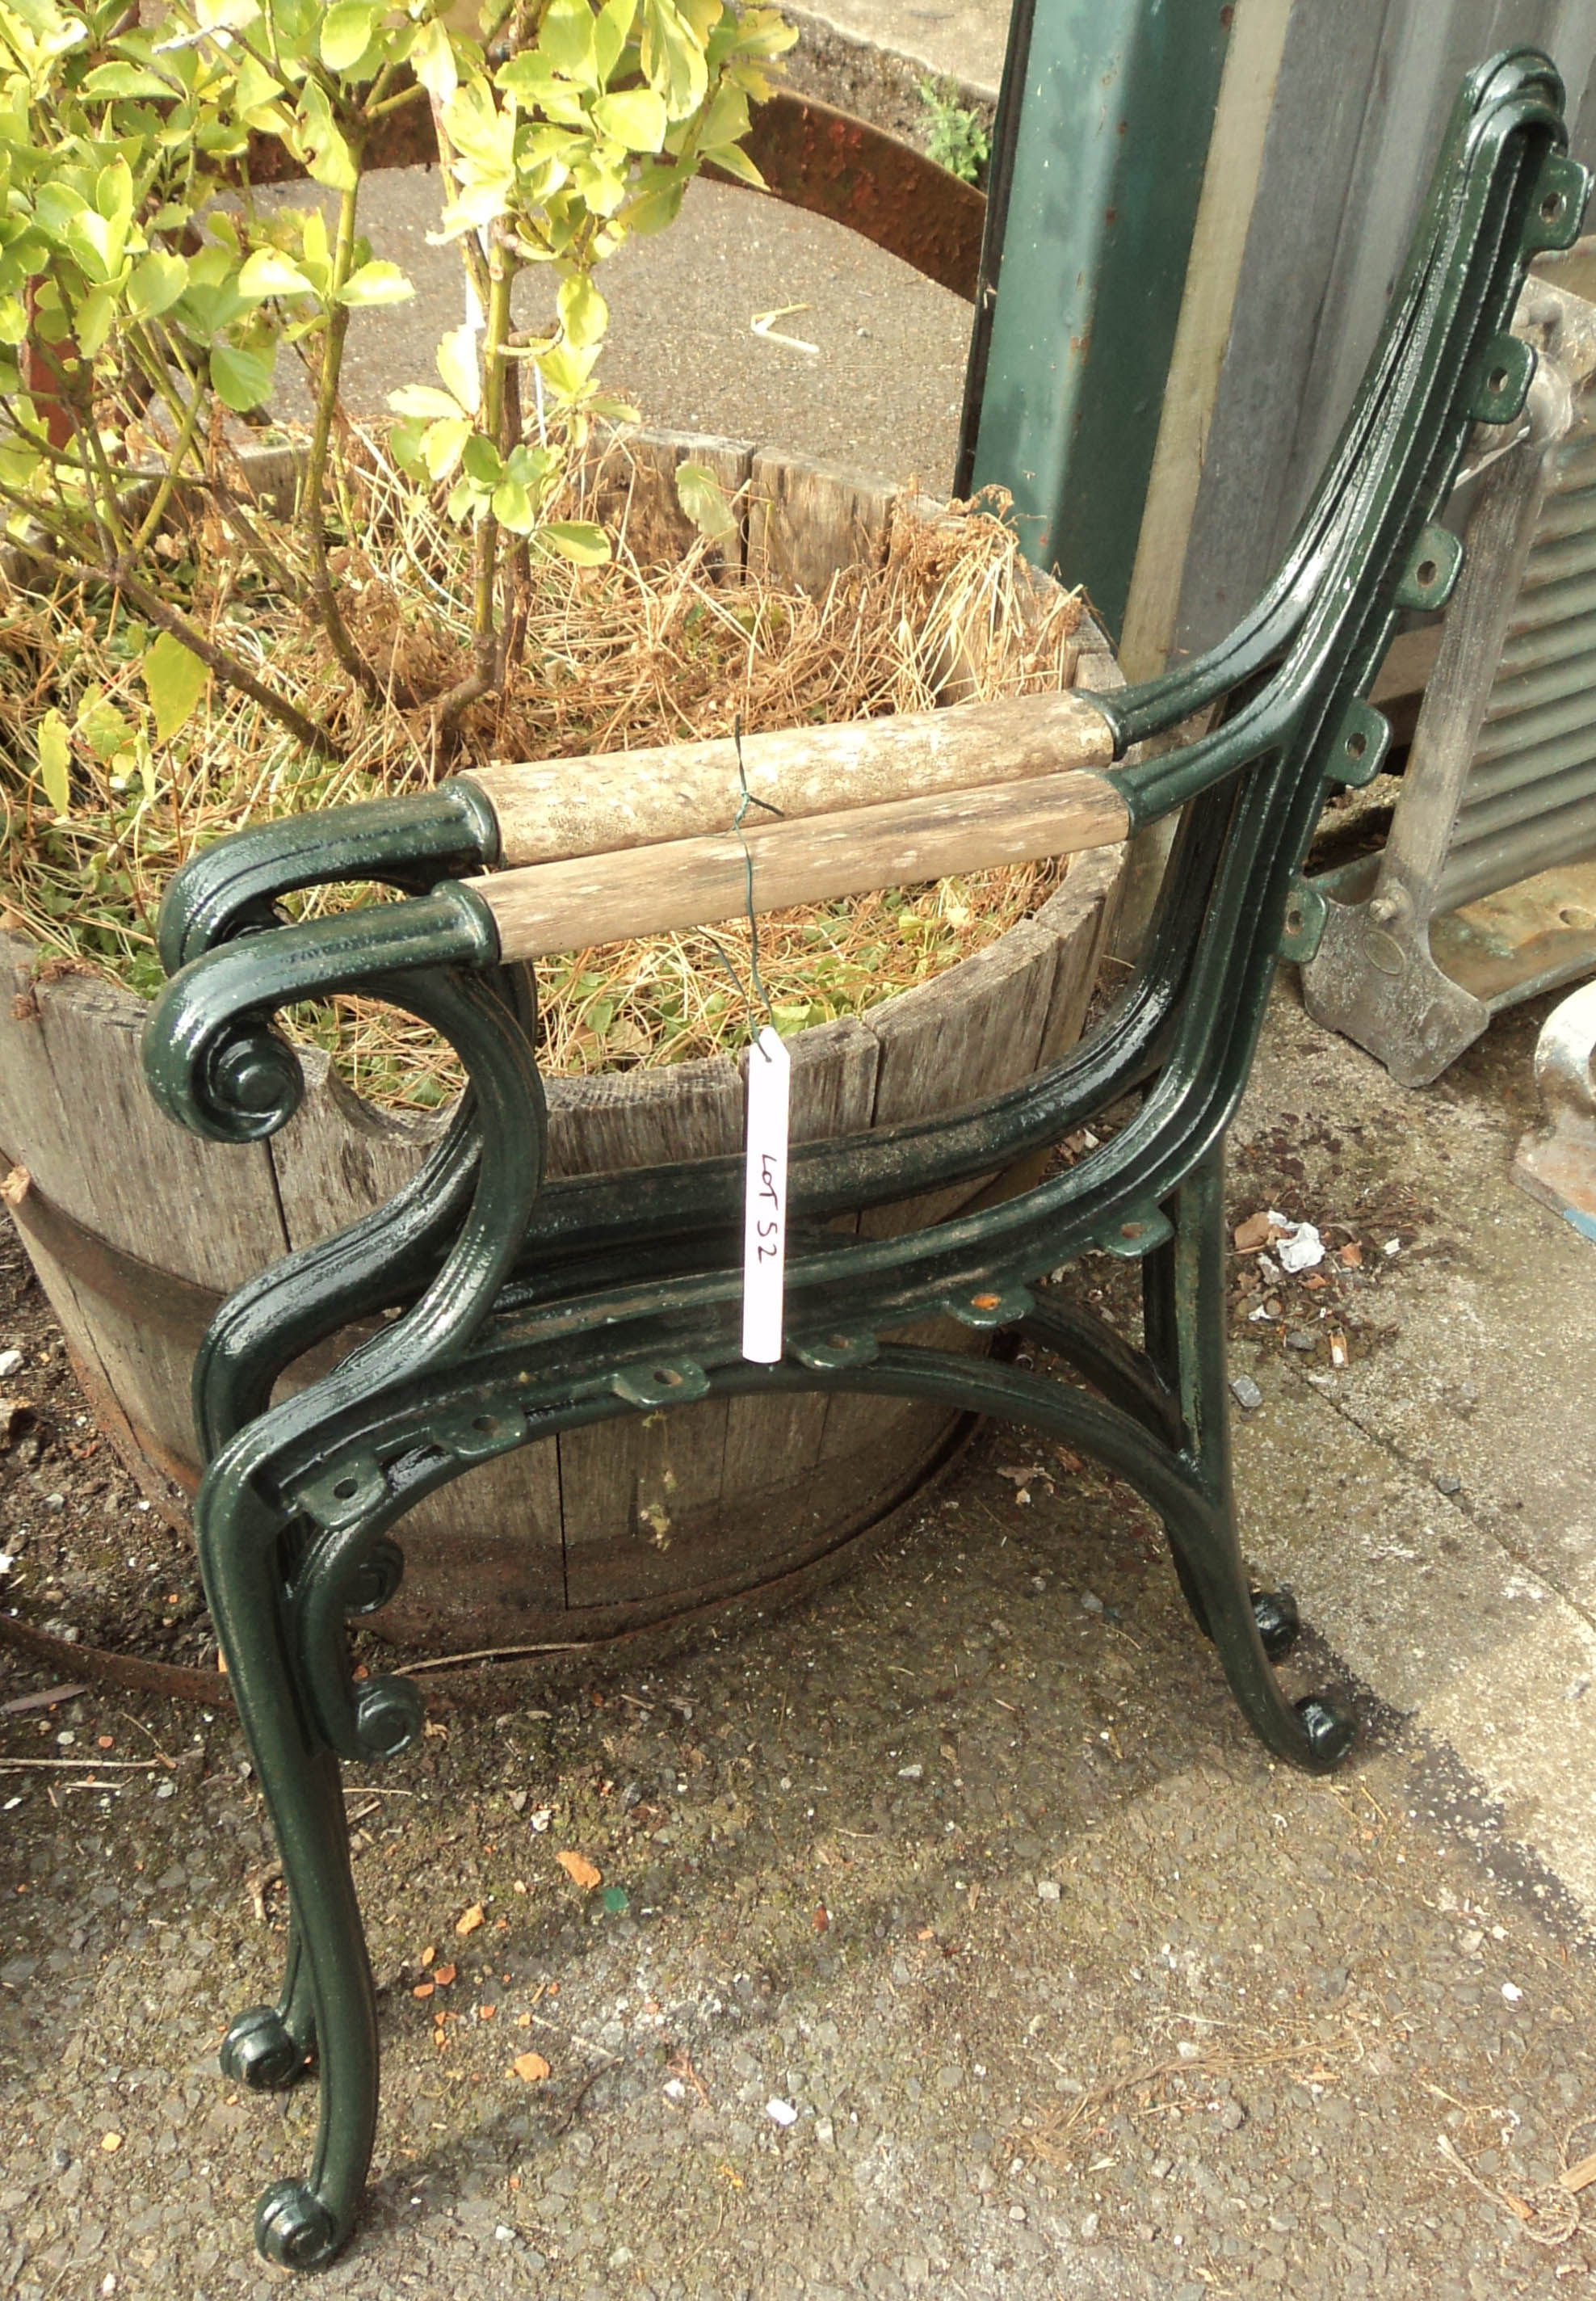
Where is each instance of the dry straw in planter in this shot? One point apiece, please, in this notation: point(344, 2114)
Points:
point(618, 657)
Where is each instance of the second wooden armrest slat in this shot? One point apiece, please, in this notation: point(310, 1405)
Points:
point(687, 883)
point(595, 805)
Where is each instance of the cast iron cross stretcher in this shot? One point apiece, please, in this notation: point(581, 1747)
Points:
point(525, 1311)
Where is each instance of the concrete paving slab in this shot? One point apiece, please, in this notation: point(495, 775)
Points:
point(882, 390)
point(961, 40)
point(1432, 1502)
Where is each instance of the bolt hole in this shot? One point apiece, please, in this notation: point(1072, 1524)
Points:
point(485, 1423)
point(1575, 915)
point(1552, 207)
point(1358, 743)
point(839, 1341)
point(1427, 571)
point(1497, 381)
point(669, 1376)
point(347, 1488)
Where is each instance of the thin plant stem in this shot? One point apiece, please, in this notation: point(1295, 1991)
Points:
point(487, 671)
point(324, 599)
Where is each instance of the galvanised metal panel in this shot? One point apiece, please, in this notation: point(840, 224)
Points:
point(1360, 103)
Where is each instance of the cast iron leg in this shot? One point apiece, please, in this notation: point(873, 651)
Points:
point(1273, 1610)
point(300, 2224)
point(270, 2045)
point(1244, 1625)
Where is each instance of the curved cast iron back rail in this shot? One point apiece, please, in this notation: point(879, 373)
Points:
point(517, 1310)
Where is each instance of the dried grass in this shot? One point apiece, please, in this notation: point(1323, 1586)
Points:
point(652, 649)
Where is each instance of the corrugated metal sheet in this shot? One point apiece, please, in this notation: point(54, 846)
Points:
point(1360, 103)
point(1483, 890)
point(1530, 797)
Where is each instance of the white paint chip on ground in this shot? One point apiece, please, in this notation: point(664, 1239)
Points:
point(781, 2112)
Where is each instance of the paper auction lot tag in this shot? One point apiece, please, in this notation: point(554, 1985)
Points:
point(765, 1197)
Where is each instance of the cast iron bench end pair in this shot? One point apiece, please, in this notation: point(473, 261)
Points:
point(516, 1310)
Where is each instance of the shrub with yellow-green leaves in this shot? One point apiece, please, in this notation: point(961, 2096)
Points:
point(144, 292)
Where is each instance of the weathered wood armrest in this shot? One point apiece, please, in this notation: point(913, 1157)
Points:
point(643, 841)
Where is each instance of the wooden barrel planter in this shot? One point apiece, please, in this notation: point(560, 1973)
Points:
point(138, 1231)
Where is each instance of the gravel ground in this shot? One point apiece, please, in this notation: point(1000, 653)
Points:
point(951, 1934)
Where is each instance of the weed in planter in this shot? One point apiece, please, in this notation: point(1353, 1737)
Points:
point(956, 135)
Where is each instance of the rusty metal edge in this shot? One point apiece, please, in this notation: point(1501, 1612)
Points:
point(811, 155)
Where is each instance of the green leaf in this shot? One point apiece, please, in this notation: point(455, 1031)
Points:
point(108, 81)
point(565, 370)
point(270, 272)
point(443, 444)
point(481, 133)
point(566, 38)
point(673, 60)
point(404, 446)
point(54, 753)
point(174, 680)
point(423, 402)
point(373, 284)
point(726, 119)
point(14, 320)
point(328, 160)
point(155, 284)
point(432, 60)
point(583, 312)
point(114, 193)
point(95, 241)
point(611, 29)
point(578, 539)
point(481, 461)
point(346, 34)
point(658, 202)
point(736, 161)
point(536, 85)
point(601, 187)
point(513, 507)
point(704, 500)
point(240, 379)
point(765, 32)
point(314, 249)
point(636, 118)
point(54, 207)
point(104, 728)
point(257, 96)
point(457, 366)
point(93, 320)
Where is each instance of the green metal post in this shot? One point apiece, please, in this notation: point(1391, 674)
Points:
point(1110, 107)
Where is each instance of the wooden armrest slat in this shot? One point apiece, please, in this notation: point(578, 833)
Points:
point(555, 808)
point(687, 883)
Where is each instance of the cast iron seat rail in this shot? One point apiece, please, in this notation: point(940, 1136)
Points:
point(516, 1310)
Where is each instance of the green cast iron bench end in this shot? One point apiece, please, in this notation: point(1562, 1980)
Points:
point(516, 1309)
